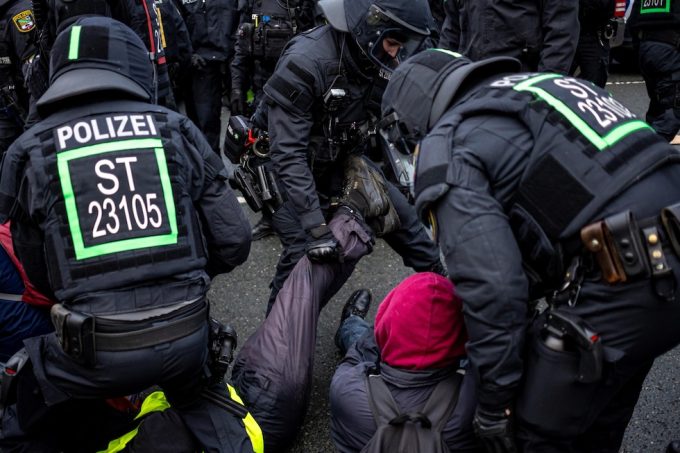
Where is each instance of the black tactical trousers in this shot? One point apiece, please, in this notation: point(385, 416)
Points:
point(410, 241)
point(557, 414)
point(9, 131)
point(204, 104)
point(660, 67)
point(177, 367)
point(592, 58)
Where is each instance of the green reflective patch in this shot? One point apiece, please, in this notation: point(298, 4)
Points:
point(74, 43)
point(142, 145)
point(600, 141)
point(655, 6)
point(450, 52)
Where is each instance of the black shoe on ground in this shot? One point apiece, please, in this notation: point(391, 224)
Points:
point(357, 304)
point(262, 229)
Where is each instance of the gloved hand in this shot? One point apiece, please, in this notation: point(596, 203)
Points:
point(238, 102)
point(323, 246)
point(494, 429)
point(198, 61)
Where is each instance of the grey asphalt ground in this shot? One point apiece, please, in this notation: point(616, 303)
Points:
point(240, 298)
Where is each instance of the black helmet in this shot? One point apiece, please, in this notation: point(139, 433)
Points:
point(370, 22)
point(98, 54)
point(423, 87)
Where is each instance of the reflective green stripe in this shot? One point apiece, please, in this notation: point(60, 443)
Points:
point(83, 252)
point(598, 141)
point(252, 428)
point(74, 43)
point(450, 52)
point(155, 402)
point(665, 9)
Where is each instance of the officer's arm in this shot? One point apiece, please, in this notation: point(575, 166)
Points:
point(290, 91)
point(225, 227)
point(450, 35)
point(560, 35)
point(484, 262)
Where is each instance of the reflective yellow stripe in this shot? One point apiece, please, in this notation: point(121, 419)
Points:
point(155, 402)
point(252, 428)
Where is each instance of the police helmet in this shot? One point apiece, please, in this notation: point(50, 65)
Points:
point(424, 86)
point(98, 54)
point(370, 22)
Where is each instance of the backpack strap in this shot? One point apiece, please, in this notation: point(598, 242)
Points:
point(443, 400)
point(382, 403)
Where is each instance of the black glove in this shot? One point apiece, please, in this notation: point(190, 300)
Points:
point(323, 246)
point(238, 102)
point(198, 61)
point(494, 430)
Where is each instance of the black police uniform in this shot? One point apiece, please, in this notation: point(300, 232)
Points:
point(543, 35)
point(510, 174)
point(177, 45)
point(212, 25)
point(592, 52)
point(307, 155)
point(118, 209)
point(656, 28)
point(16, 51)
point(265, 29)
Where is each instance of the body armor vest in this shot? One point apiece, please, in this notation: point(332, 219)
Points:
point(118, 212)
point(270, 28)
point(656, 13)
point(588, 148)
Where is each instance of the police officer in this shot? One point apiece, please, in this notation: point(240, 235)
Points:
point(121, 213)
point(212, 25)
point(542, 35)
point(656, 27)
point(534, 191)
point(17, 51)
point(592, 52)
point(318, 103)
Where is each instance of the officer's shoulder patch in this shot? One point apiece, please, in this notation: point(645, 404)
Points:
point(24, 21)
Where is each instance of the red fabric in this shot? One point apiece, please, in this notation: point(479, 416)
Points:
point(420, 324)
point(31, 295)
point(620, 10)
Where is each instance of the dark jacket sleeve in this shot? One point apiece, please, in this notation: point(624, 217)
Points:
point(481, 253)
point(291, 96)
point(560, 35)
point(450, 34)
point(225, 227)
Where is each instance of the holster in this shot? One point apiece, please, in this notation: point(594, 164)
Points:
point(75, 332)
point(245, 183)
point(670, 218)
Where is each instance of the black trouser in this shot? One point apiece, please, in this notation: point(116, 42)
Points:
point(204, 105)
point(592, 58)
point(557, 414)
point(9, 131)
point(178, 367)
point(660, 67)
point(410, 241)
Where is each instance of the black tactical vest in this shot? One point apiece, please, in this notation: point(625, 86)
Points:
point(118, 212)
point(588, 148)
point(656, 13)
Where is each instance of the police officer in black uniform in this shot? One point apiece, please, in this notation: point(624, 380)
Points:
point(17, 51)
point(592, 52)
point(212, 26)
point(121, 213)
point(542, 35)
point(319, 101)
point(656, 28)
point(544, 185)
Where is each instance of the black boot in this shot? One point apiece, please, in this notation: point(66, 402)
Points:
point(263, 228)
point(673, 447)
point(358, 304)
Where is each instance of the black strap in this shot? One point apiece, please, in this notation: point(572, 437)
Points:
point(380, 399)
point(231, 406)
point(446, 390)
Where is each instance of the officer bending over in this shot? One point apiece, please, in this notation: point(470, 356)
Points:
point(534, 192)
point(319, 102)
point(121, 213)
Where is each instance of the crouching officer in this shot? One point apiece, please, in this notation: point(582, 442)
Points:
point(120, 211)
point(535, 185)
point(319, 100)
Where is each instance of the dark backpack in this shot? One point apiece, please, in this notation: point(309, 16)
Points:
point(411, 432)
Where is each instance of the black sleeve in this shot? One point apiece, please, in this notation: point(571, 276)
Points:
point(291, 96)
point(225, 227)
point(240, 68)
point(450, 34)
point(182, 38)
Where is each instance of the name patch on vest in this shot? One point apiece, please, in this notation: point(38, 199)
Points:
point(593, 112)
point(655, 6)
point(116, 185)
